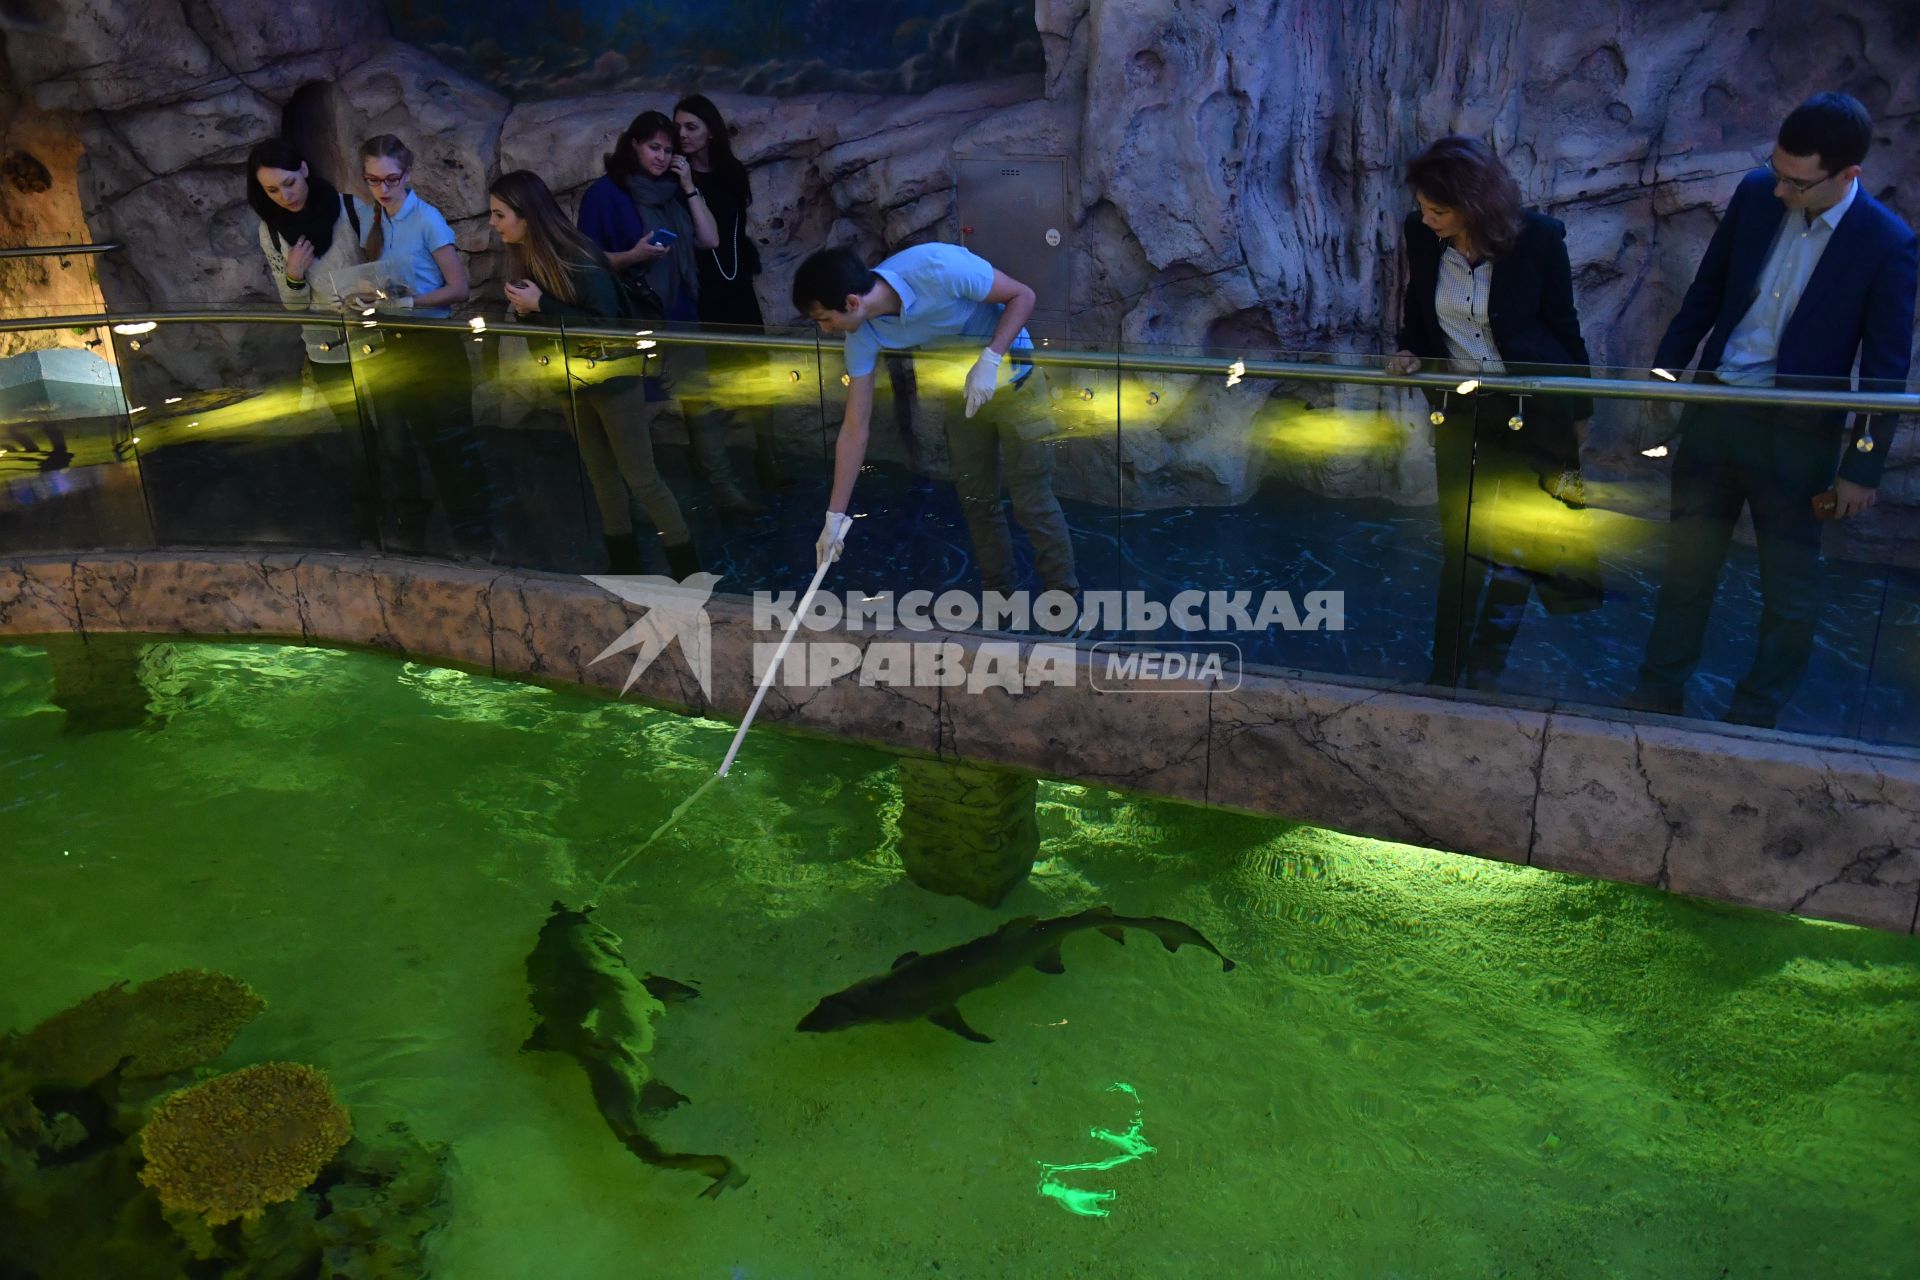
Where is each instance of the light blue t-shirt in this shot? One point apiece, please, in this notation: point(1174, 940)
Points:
point(942, 290)
point(412, 236)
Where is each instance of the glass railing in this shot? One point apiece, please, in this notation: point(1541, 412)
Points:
point(1684, 567)
point(1489, 536)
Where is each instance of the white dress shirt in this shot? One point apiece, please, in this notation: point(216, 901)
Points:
point(1461, 297)
point(1753, 347)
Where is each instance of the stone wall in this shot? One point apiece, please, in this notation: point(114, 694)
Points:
point(1817, 827)
point(1233, 166)
point(40, 205)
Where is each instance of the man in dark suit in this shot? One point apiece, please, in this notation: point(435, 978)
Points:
point(1806, 273)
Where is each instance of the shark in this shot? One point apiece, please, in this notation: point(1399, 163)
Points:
point(590, 1006)
point(930, 986)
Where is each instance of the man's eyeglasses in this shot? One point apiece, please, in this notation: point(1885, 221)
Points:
point(385, 184)
point(1800, 186)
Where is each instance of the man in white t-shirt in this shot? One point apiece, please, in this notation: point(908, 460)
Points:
point(942, 294)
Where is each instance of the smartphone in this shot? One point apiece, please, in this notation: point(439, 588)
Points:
point(663, 237)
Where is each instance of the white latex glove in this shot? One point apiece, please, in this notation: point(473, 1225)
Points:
point(981, 380)
point(833, 536)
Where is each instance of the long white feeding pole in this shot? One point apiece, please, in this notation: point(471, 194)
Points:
point(773, 668)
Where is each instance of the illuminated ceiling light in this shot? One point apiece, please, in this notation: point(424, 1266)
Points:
point(1658, 451)
point(478, 324)
point(1662, 373)
point(1236, 371)
point(367, 311)
point(643, 333)
point(139, 408)
point(369, 324)
point(1468, 387)
point(172, 400)
point(193, 424)
point(136, 327)
point(644, 343)
point(136, 440)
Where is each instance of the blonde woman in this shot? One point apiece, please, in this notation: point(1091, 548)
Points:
point(423, 393)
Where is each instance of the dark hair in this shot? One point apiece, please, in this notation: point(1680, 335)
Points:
point(554, 246)
point(720, 158)
point(1832, 126)
point(648, 124)
point(315, 221)
point(827, 277)
point(1464, 175)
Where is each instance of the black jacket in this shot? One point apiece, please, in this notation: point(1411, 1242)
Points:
point(1534, 320)
point(599, 298)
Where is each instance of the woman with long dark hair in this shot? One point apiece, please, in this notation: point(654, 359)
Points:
point(1489, 285)
point(309, 234)
point(728, 301)
point(647, 190)
point(554, 271)
point(423, 386)
point(727, 269)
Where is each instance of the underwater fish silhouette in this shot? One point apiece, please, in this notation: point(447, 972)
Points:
point(929, 986)
point(591, 1007)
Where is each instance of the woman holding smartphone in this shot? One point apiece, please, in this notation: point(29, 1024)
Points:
point(649, 217)
point(553, 273)
point(422, 385)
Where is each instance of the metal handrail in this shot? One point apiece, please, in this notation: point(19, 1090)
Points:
point(1864, 402)
point(55, 250)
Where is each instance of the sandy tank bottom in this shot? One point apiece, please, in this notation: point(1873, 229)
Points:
point(1424, 1065)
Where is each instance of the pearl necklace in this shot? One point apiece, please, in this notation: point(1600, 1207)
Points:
point(725, 274)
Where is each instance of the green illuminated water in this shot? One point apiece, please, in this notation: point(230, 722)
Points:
point(1423, 1066)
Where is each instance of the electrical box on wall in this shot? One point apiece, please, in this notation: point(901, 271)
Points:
point(1013, 213)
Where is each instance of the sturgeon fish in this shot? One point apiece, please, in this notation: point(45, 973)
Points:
point(930, 986)
point(591, 1007)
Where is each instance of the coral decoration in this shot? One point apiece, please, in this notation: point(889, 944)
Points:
point(230, 1147)
point(176, 1021)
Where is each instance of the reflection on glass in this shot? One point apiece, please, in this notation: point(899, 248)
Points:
point(68, 475)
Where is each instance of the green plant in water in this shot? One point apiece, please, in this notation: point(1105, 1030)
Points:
point(1132, 1146)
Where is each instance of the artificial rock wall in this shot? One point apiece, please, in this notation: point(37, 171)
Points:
point(1233, 164)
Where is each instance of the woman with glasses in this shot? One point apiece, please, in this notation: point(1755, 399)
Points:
point(310, 238)
point(728, 302)
point(1488, 286)
point(423, 384)
point(555, 273)
point(649, 217)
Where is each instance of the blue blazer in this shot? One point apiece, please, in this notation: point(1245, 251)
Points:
point(1858, 303)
